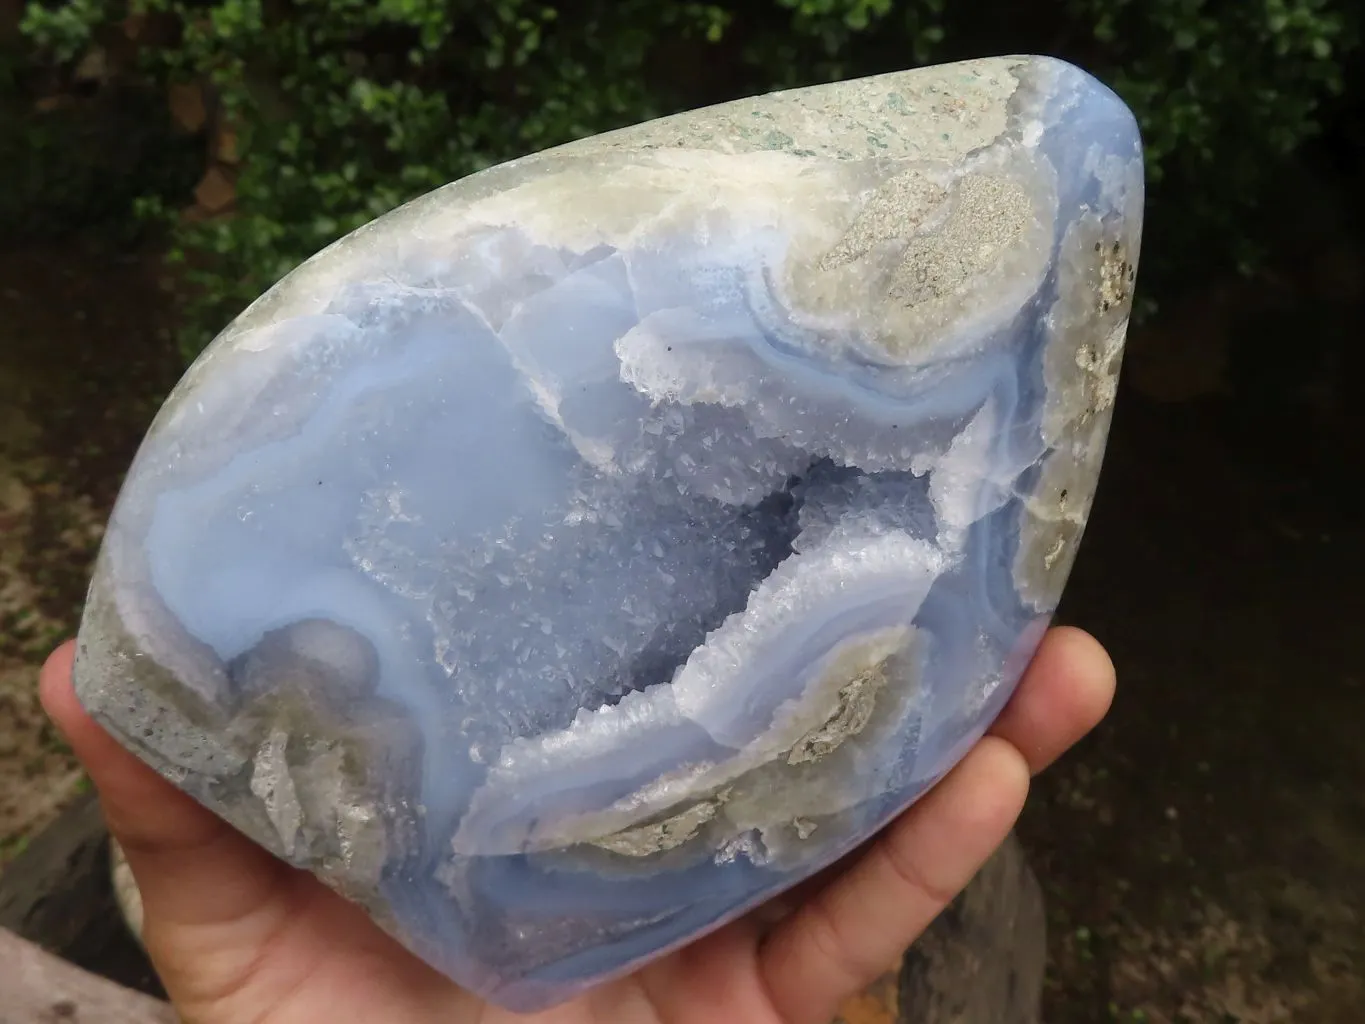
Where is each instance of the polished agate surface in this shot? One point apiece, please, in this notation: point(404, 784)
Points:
point(571, 559)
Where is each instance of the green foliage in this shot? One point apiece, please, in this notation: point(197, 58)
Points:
point(65, 29)
point(1224, 91)
point(347, 108)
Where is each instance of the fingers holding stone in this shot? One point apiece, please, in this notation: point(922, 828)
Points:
point(1066, 690)
point(188, 863)
point(143, 808)
point(850, 932)
point(820, 932)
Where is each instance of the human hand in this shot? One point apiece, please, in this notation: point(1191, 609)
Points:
point(238, 936)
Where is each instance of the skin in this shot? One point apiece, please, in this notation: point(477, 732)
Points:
point(240, 938)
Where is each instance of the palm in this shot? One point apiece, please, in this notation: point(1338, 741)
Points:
point(332, 963)
point(238, 936)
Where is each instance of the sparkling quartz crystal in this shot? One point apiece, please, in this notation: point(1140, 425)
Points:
point(588, 550)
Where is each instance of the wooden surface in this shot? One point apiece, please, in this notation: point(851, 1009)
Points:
point(59, 894)
point(983, 960)
point(39, 988)
point(980, 963)
point(43, 891)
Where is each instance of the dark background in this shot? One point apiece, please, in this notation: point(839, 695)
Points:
point(1204, 852)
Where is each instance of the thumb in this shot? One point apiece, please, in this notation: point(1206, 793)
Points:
point(235, 933)
point(192, 869)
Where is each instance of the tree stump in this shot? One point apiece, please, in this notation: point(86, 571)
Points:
point(983, 960)
point(66, 954)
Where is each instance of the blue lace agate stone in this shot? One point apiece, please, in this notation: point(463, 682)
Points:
point(592, 548)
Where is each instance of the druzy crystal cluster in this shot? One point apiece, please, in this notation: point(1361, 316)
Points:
point(576, 556)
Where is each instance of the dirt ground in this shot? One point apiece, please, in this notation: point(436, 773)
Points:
point(1203, 854)
point(83, 362)
point(36, 774)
